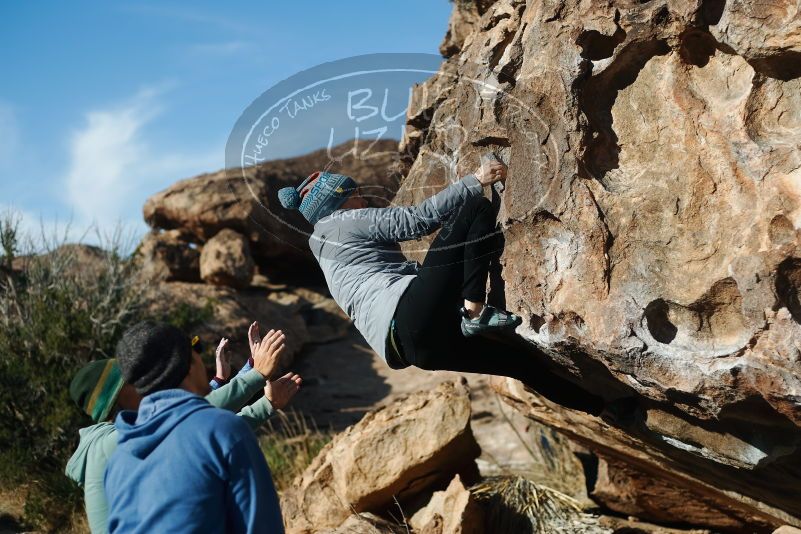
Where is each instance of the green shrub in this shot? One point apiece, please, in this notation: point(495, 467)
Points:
point(187, 317)
point(66, 306)
point(9, 231)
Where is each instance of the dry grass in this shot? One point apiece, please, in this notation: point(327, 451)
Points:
point(553, 462)
point(290, 441)
point(516, 504)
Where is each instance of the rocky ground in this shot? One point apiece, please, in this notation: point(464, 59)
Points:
point(345, 383)
point(345, 379)
point(652, 221)
point(651, 229)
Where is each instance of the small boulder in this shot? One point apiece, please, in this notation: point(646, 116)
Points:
point(169, 257)
point(226, 261)
point(394, 452)
point(453, 511)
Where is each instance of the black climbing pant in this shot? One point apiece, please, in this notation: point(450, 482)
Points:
point(429, 324)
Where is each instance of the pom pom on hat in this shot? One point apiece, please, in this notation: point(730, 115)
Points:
point(289, 198)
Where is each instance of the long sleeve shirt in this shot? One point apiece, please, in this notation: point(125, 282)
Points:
point(218, 382)
point(359, 253)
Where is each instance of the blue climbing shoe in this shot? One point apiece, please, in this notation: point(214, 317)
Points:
point(490, 319)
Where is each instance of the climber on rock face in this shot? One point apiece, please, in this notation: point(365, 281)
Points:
point(432, 316)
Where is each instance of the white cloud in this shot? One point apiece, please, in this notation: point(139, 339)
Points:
point(9, 135)
point(113, 168)
point(102, 155)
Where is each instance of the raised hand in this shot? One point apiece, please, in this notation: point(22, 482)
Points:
point(267, 353)
point(253, 337)
point(222, 360)
point(280, 391)
point(491, 172)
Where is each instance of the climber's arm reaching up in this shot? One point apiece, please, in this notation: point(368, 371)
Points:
point(412, 222)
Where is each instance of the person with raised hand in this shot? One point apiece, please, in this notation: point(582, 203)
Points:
point(277, 394)
point(182, 465)
point(267, 352)
point(222, 365)
point(248, 381)
point(99, 390)
point(222, 360)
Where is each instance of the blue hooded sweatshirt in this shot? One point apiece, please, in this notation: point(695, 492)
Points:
point(182, 465)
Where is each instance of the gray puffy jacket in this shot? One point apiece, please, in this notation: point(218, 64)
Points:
point(361, 259)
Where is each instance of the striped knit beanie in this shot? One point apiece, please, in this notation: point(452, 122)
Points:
point(95, 388)
point(321, 194)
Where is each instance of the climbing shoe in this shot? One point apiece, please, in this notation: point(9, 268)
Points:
point(490, 319)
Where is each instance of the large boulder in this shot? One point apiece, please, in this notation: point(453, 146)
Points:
point(226, 261)
point(325, 320)
point(169, 256)
point(652, 216)
point(393, 453)
point(637, 476)
point(246, 200)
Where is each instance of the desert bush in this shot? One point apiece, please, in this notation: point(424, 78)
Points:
point(9, 231)
point(64, 306)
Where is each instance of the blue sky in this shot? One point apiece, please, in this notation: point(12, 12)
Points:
point(104, 103)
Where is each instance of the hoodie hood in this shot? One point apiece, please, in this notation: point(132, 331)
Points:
point(159, 413)
point(76, 467)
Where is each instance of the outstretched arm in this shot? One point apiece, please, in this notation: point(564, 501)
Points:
point(233, 395)
point(277, 395)
point(236, 393)
point(412, 222)
point(403, 223)
point(223, 366)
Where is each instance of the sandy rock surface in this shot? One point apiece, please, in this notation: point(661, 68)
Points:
point(452, 511)
point(651, 215)
point(226, 261)
point(169, 256)
point(394, 452)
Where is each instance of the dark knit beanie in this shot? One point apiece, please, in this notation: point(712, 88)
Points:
point(154, 357)
point(319, 195)
point(95, 388)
